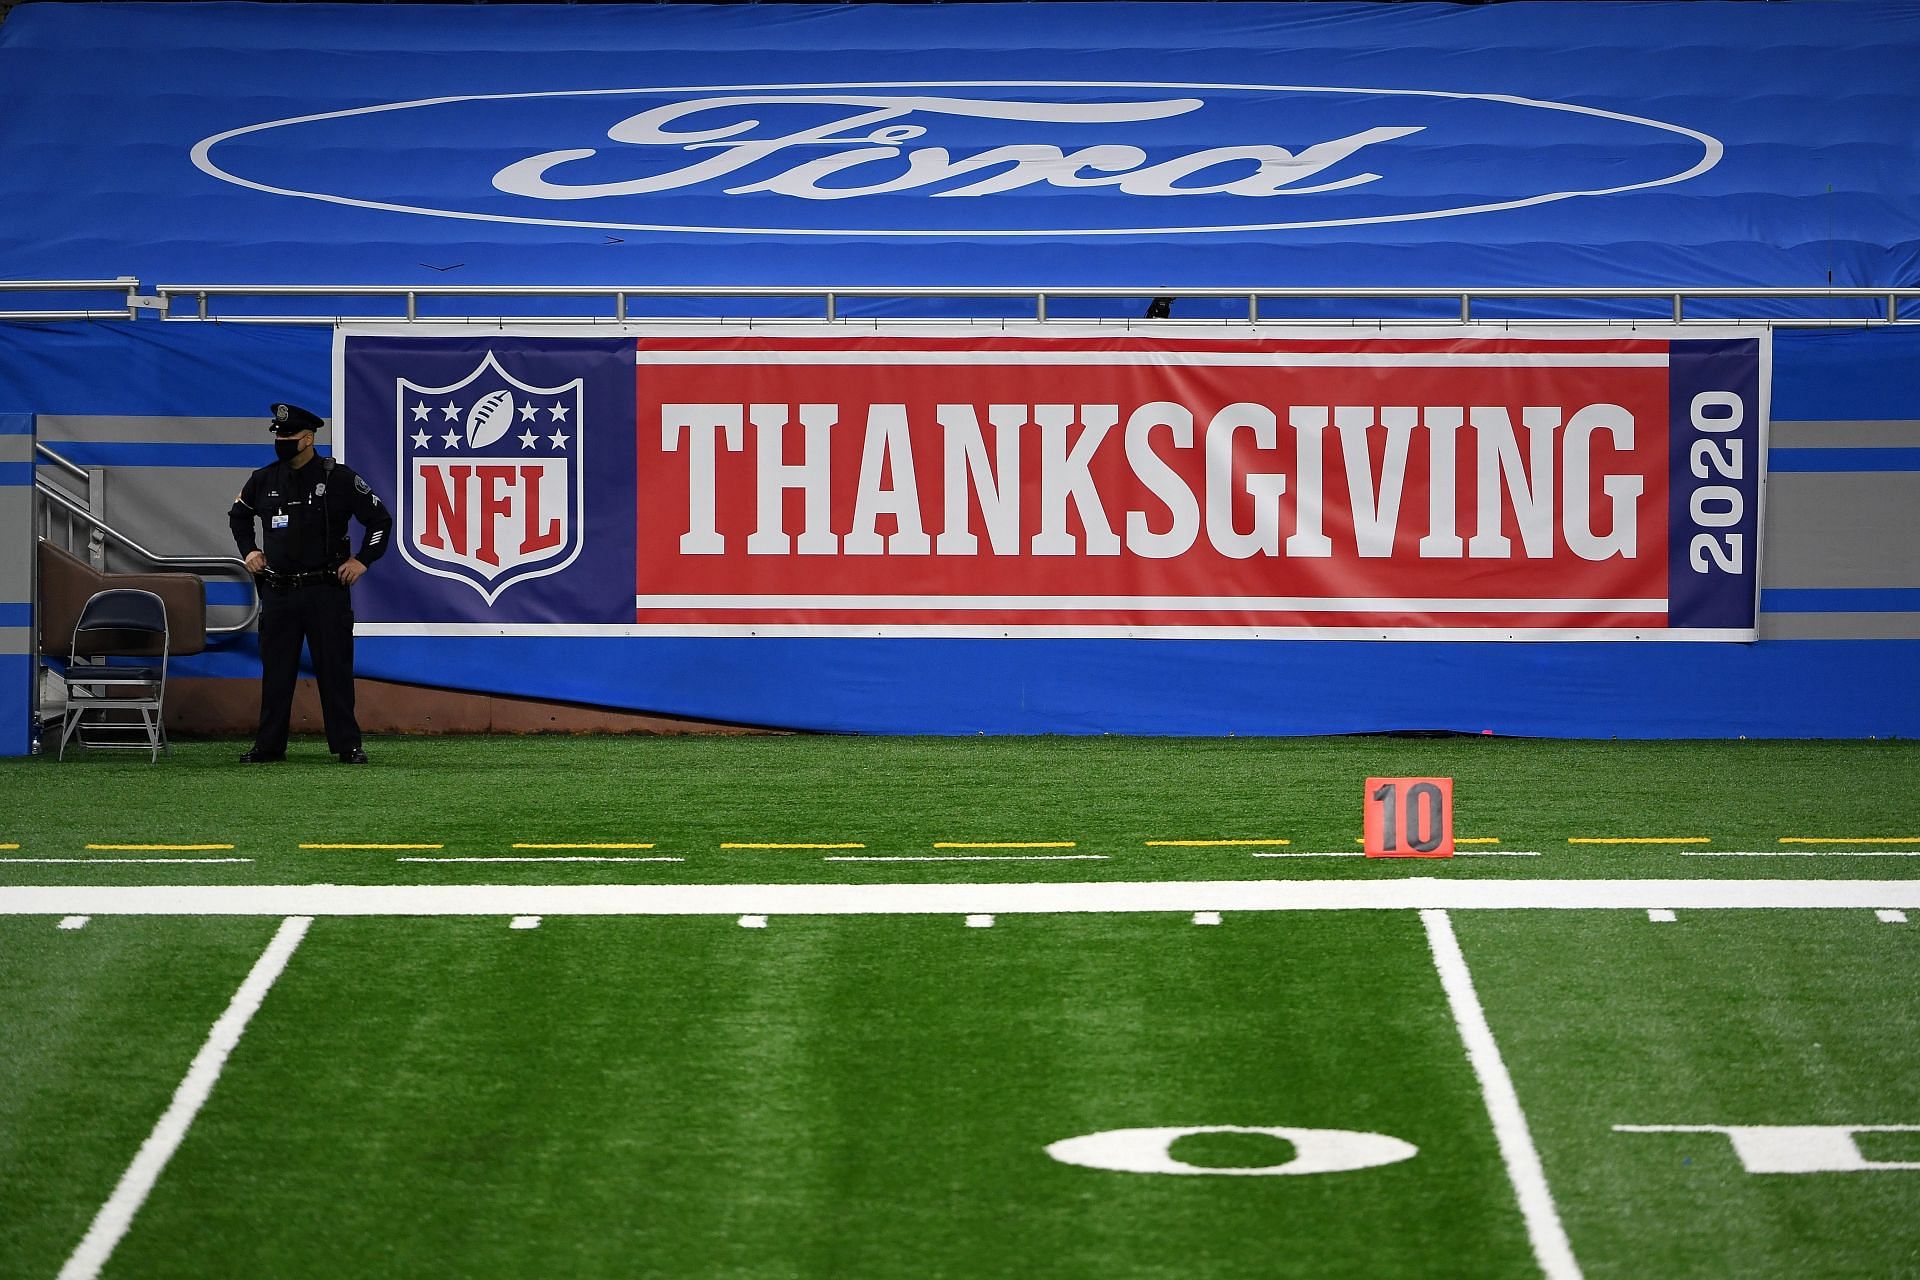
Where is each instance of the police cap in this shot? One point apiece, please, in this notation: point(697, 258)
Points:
point(291, 420)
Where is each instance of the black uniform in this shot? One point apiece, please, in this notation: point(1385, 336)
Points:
point(304, 513)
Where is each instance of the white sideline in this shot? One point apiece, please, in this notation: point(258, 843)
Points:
point(1800, 853)
point(116, 1215)
point(1550, 1245)
point(1411, 893)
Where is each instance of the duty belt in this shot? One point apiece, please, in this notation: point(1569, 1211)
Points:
point(301, 579)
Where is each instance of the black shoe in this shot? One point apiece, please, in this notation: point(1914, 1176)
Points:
point(355, 756)
point(257, 756)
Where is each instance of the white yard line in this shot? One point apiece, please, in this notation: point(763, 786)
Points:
point(1208, 844)
point(1399, 894)
point(1550, 1245)
point(116, 1215)
point(1800, 853)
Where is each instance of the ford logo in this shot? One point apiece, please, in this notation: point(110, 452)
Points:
point(959, 159)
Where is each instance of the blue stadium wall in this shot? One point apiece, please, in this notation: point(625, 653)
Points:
point(175, 412)
point(1604, 144)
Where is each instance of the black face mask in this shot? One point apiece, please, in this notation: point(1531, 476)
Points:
point(286, 450)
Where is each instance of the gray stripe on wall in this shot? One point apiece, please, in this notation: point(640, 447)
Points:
point(1842, 529)
point(16, 541)
point(16, 640)
point(1844, 435)
point(16, 448)
point(54, 428)
point(1840, 626)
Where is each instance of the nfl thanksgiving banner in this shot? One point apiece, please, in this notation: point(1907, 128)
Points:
point(1465, 483)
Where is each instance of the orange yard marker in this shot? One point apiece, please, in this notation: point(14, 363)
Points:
point(1409, 817)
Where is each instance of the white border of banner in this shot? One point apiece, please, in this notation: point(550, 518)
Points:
point(1173, 604)
point(1190, 333)
point(1024, 631)
point(1170, 359)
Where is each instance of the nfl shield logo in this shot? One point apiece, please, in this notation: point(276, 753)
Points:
point(490, 469)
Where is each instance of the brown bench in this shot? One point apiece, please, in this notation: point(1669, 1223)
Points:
point(68, 582)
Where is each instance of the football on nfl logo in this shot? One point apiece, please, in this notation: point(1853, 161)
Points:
point(489, 469)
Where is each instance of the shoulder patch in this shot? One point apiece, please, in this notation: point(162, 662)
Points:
point(360, 484)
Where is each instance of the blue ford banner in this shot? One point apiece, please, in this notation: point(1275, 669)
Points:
point(1017, 145)
point(917, 160)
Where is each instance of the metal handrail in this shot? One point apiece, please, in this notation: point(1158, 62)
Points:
point(73, 469)
point(127, 286)
point(618, 297)
point(66, 503)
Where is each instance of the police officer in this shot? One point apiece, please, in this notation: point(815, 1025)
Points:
point(303, 502)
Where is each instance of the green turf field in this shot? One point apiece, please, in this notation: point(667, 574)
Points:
point(725, 1065)
point(1094, 802)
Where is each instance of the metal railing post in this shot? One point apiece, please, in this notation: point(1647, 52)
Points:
point(96, 508)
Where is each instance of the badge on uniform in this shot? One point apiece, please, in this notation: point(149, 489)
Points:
point(280, 521)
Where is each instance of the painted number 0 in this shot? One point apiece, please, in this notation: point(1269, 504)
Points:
point(1423, 819)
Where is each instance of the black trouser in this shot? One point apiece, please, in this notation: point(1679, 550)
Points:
point(321, 613)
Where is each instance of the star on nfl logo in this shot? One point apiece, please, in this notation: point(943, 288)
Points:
point(490, 473)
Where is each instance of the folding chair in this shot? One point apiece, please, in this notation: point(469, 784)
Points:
point(113, 705)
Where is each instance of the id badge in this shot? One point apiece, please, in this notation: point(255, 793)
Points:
point(280, 521)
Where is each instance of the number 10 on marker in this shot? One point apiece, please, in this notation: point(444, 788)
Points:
point(1409, 817)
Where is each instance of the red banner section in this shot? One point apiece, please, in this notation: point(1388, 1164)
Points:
point(1451, 487)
